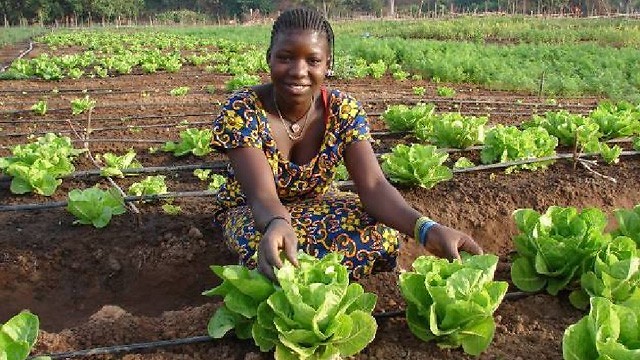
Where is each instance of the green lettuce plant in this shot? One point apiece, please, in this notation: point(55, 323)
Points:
point(18, 335)
point(454, 130)
point(463, 163)
point(636, 143)
point(615, 275)
point(38, 166)
point(195, 141)
point(81, 105)
point(554, 247)
point(508, 143)
point(243, 290)
point(628, 223)
point(453, 302)
point(216, 182)
point(404, 118)
point(567, 127)
point(179, 91)
point(616, 119)
point(241, 81)
point(315, 313)
point(151, 185)
point(95, 206)
point(114, 164)
point(610, 331)
point(416, 165)
point(40, 108)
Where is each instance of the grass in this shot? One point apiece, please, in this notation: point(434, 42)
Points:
point(12, 35)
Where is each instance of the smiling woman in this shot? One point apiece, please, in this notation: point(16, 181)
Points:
point(285, 140)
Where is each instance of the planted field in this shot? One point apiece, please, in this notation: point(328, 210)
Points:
point(140, 278)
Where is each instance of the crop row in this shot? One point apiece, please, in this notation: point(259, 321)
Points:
point(560, 69)
point(316, 312)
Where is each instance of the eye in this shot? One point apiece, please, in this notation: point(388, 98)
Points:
point(314, 61)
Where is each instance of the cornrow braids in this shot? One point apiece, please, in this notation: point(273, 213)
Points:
point(303, 19)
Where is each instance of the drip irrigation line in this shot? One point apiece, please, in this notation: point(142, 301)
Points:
point(110, 118)
point(127, 348)
point(125, 105)
point(20, 56)
point(341, 184)
point(127, 199)
point(130, 348)
point(113, 128)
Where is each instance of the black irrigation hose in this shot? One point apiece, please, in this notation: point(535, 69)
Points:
point(109, 350)
point(108, 118)
point(206, 193)
point(126, 105)
point(20, 56)
point(127, 199)
point(113, 128)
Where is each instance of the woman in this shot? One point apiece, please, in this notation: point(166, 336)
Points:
point(284, 140)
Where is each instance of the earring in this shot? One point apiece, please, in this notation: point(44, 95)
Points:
point(329, 73)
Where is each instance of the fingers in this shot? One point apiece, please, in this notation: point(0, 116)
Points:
point(291, 249)
point(469, 245)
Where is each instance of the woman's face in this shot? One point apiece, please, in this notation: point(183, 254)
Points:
point(299, 60)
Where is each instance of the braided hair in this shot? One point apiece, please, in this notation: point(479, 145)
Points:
point(302, 19)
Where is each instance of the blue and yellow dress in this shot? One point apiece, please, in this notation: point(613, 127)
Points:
point(324, 218)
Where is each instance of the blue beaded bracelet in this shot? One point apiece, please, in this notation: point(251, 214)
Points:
point(423, 225)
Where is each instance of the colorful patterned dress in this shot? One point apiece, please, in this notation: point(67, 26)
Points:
point(324, 218)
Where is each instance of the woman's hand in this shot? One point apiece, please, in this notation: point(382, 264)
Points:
point(446, 242)
point(278, 236)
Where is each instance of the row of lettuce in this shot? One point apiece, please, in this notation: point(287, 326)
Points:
point(569, 69)
point(315, 312)
point(40, 166)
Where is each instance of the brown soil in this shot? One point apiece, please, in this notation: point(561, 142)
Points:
point(140, 279)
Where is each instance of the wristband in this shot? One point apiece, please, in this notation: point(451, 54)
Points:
point(422, 227)
point(277, 217)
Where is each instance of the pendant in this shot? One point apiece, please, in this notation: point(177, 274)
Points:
point(295, 128)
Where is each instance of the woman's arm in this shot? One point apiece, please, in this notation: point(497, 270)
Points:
point(383, 201)
point(254, 174)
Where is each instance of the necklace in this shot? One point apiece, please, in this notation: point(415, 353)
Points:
point(294, 131)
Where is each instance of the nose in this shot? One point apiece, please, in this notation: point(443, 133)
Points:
point(298, 68)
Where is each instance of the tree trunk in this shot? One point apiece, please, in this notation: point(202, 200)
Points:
point(392, 8)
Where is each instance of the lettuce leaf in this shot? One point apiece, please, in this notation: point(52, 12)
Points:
point(453, 302)
point(95, 206)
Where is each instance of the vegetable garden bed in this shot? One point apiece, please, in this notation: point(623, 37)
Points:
point(141, 278)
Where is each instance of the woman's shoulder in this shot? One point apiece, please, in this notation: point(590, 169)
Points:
point(338, 98)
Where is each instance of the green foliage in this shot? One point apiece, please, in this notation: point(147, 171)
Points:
point(615, 275)
point(18, 335)
point(342, 174)
point(452, 130)
point(79, 106)
point(453, 303)
point(95, 206)
point(445, 91)
point(170, 209)
point(179, 91)
point(241, 81)
point(554, 247)
point(616, 119)
point(463, 163)
point(377, 69)
point(508, 143)
point(316, 313)
point(202, 174)
point(628, 223)
point(216, 182)
point(636, 143)
point(151, 185)
point(404, 118)
point(416, 165)
point(195, 141)
point(38, 166)
point(243, 291)
point(567, 127)
point(114, 164)
point(40, 107)
point(610, 331)
point(610, 154)
point(419, 90)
